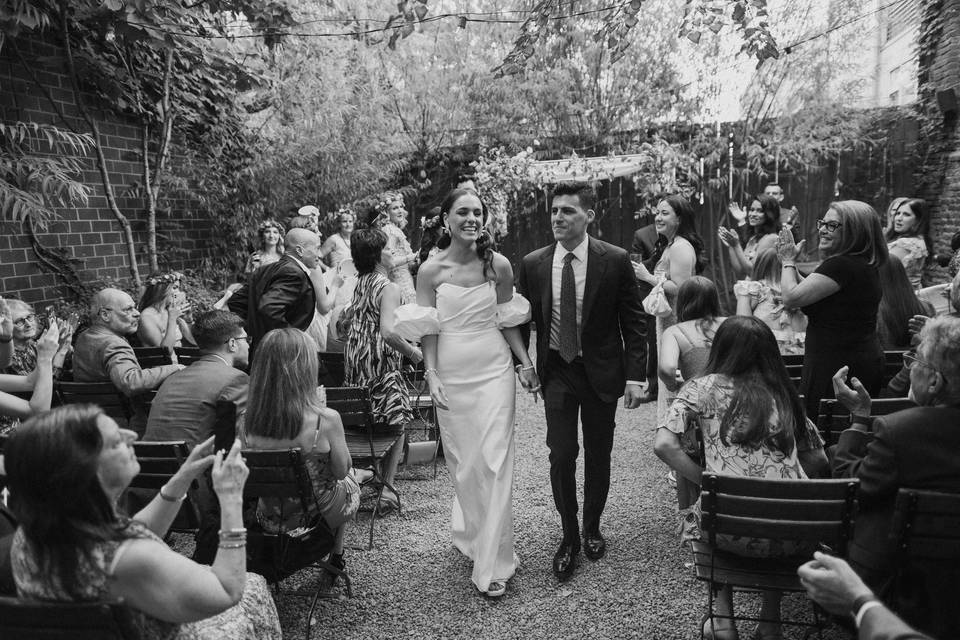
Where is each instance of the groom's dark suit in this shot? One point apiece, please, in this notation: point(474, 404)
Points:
point(611, 347)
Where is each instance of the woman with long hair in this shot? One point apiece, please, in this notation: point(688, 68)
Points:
point(270, 246)
point(67, 469)
point(468, 318)
point(163, 310)
point(681, 258)
point(374, 350)
point(908, 236)
point(840, 299)
point(390, 216)
point(760, 297)
point(763, 221)
point(898, 304)
point(336, 248)
point(686, 346)
point(752, 424)
point(287, 367)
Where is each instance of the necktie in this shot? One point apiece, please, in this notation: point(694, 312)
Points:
point(569, 337)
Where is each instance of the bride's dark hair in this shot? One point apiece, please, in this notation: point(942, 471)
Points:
point(484, 242)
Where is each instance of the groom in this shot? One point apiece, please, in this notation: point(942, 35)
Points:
point(584, 302)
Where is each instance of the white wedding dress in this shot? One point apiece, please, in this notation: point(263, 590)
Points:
point(475, 367)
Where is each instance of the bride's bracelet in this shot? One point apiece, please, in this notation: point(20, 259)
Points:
point(433, 371)
point(520, 368)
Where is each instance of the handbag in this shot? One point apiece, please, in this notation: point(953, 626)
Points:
point(656, 301)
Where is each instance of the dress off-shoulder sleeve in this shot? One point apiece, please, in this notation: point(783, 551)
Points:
point(412, 322)
point(513, 312)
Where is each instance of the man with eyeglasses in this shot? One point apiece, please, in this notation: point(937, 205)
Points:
point(917, 448)
point(186, 404)
point(102, 352)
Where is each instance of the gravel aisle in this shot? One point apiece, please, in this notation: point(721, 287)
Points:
point(414, 584)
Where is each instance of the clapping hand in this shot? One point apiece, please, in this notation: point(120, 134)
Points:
point(787, 250)
point(916, 323)
point(49, 342)
point(738, 213)
point(728, 237)
point(229, 473)
point(853, 396)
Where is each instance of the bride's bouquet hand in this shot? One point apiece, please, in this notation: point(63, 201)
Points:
point(437, 393)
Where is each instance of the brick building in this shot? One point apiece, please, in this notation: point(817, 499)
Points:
point(90, 234)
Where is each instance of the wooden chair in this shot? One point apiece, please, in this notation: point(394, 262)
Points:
point(159, 461)
point(833, 417)
point(104, 394)
point(423, 429)
point(927, 527)
point(281, 474)
point(149, 357)
point(807, 513)
point(28, 620)
point(367, 442)
point(187, 355)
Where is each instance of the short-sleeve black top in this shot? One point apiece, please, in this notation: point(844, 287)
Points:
point(846, 319)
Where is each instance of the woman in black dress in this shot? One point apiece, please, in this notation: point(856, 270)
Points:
point(840, 299)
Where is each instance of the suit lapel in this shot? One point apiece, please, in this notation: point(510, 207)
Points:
point(545, 277)
point(596, 266)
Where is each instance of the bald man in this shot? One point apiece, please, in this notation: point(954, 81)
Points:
point(102, 352)
point(286, 293)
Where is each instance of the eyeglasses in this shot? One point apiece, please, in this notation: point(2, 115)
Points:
point(22, 322)
point(126, 310)
point(247, 339)
point(829, 226)
point(910, 358)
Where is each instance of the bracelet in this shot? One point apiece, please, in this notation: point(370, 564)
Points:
point(433, 371)
point(520, 368)
point(864, 420)
point(167, 498)
point(861, 605)
point(232, 545)
point(788, 265)
point(233, 535)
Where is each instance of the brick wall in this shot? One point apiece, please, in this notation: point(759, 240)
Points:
point(943, 73)
point(90, 234)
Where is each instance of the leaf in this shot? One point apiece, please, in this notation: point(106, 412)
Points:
point(421, 11)
point(694, 37)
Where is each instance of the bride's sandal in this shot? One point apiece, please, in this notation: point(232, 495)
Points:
point(496, 589)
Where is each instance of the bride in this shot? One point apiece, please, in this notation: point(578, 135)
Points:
point(468, 318)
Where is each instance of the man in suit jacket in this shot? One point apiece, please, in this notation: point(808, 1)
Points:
point(285, 293)
point(915, 448)
point(584, 303)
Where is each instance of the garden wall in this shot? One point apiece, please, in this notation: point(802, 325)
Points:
point(89, 236)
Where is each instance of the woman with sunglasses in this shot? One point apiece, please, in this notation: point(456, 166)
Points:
point(841, 299)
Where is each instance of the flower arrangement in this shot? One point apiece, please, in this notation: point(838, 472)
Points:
point(163, 278)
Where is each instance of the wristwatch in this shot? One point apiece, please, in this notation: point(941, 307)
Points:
point(861, 605)
point(866, 421)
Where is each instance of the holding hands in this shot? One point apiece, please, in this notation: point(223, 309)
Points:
point(853, 396)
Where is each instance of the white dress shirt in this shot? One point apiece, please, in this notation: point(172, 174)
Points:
point(579, 264)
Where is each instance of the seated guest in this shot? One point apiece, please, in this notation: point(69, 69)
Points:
point(287, 367)
point(752, 424)
point(102, 352)
point(374, 351)
point(39, 381)
point(73, 545)
point(916, 449)
point(686, 345)
point(185, 407)
point(833, 584)
point(898, 305)
point(26, 329)
point(162, 309)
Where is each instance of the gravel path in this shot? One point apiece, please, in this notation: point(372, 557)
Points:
point(414, 584)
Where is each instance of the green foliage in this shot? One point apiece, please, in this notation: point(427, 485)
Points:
point(39, 170)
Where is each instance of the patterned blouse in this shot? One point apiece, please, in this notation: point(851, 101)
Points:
point(915, 250)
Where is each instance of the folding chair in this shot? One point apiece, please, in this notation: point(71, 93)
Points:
point(159, 461)
point(187, 355)
point(423, 430)
point(149, 357)
point(367, 442)
point(809, 513)
point(281, 474)
point(332, 369)
point(104, 394)
point(29, 620)
point(833, 417)
point(927, 527)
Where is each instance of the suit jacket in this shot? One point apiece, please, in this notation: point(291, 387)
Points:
point(100, 355)
point(880, 623)
point(645, 243)
point(276, 296)
point(611, 331)
point(916, 448)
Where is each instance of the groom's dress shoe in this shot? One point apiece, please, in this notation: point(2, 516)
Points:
point(594, 546)
point(565, 560)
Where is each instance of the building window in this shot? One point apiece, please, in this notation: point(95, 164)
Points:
point(895, 98)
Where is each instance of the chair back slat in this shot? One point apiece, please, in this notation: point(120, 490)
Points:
point(279, 473)
point(149, 357)
point(784, 489)
point(833, 417)
point(102, 394)
point(353, 405)
point(187, 355)
point(826, 531)
point(927, 525)
point(751, 507)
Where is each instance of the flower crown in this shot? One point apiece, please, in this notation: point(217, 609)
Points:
point(386, 199)
point(344, 211)
point(163, 278)
point(430, 223)
point(269, 224)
